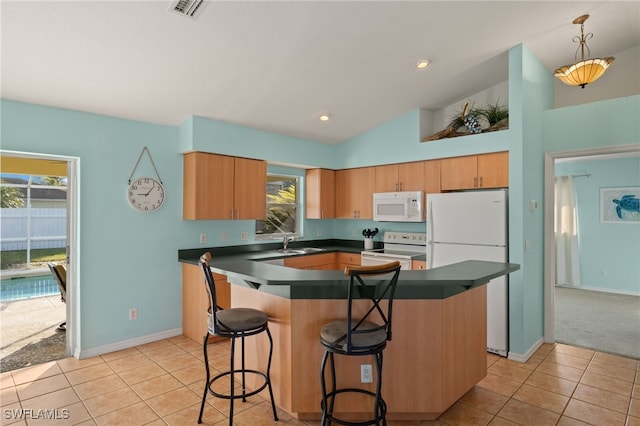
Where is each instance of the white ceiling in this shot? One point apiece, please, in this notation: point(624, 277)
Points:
point(277, 65)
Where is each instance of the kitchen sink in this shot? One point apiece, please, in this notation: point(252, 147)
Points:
point(291, 251)
point(301, 250)
point(312, 249)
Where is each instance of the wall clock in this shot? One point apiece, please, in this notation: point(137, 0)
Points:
point(145, 194)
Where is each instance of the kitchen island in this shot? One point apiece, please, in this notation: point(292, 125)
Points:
point(437, 354)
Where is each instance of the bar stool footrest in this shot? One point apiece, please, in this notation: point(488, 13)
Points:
point(243, 394)
point(379, 419)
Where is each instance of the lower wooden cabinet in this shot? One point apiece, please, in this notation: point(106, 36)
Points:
point(327, 261)
point(419, 265)
point(314, 261)
point(348, 259)
point(195, 301)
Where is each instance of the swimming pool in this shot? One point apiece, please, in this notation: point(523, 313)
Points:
point(27, 288)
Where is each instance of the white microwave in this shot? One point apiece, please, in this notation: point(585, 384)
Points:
point(398, 206)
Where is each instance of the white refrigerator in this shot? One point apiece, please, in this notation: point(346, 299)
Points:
point(473, 225)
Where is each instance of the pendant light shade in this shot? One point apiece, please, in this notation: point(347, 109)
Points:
point(585, 71)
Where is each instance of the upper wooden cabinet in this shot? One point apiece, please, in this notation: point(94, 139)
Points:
point(431, 176)
point(400, 177)
point(354, 193)
point(320, 194)
point(475, 171)
point(223, 187)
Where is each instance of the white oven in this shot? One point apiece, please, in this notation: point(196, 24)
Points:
point(400, 246)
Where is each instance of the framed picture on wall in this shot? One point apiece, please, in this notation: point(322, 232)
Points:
point(620, 205)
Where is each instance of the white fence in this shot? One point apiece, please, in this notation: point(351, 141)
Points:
point(46, 228)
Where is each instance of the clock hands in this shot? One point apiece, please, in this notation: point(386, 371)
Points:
point(151, 189)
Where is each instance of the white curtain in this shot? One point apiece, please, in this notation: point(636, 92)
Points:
point(566, 233)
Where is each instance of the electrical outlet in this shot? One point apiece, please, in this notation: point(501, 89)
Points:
point(203, 238)
point(244, 235)
point(366, 373)
point(319, 233)
point(133, 313)
point(223, 236)
point(353, 233)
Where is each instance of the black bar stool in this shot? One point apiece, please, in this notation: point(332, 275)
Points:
point(357, 337)
point(233, 323)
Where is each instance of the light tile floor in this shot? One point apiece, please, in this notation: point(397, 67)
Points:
point(161, 383)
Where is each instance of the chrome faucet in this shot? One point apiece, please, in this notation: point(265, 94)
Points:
point(285, 240)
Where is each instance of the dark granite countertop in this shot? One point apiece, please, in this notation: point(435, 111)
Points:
point(253, 266)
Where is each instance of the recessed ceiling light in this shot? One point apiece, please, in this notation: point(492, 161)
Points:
point(324, 117)
point(422, 64)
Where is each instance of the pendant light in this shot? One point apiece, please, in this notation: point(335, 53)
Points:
point(586, 70)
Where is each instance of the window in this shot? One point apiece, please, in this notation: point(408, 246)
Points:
point(282, 207)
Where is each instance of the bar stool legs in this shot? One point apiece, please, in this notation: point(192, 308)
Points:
point(231, 373)
point(328, 398)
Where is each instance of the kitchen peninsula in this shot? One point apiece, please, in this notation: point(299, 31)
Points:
point(438, 350)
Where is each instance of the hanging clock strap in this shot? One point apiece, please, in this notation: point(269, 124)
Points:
point(138, 162)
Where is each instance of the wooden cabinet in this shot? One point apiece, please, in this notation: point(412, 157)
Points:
point(354, 193)
point(314, 261)
point(320, 194)
point(223, 187)
point(400, 177)
point(195, 301)
point(475, 171)
point(431, 176)
point(418, 265)
point(348, 259)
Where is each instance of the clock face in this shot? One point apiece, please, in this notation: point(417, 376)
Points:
point(145, 194)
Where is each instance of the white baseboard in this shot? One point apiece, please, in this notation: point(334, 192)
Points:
point(525, 357)
point(126, 344)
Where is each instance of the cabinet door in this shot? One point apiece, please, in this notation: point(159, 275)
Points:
point(344, 194)
point(419, 265)
point(432, 177)
point(363, 191)
point(354, 193)
point(250, 189)
point(411, 176)
point(459, 173)
point(348, 259)
point(320, 194)
point(493, 170)
point(207, 186)
point(313, 261)
point(386, 178)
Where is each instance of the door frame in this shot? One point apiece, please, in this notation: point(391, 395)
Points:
point(73, 244)
point(549, 245)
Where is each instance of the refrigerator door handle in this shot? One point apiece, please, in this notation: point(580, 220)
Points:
point(430, 245)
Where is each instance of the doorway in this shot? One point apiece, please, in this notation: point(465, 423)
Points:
point(576, 297)
point(43, 164)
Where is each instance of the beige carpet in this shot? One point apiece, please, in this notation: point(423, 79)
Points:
point(605, 322)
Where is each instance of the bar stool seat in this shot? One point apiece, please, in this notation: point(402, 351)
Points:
point(367, 335)
point(233, 323)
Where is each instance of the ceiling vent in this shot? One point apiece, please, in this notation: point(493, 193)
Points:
point(188, 8)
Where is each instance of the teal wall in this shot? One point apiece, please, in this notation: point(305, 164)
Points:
point(530, 93)
point(129, 259)
point(609, 252)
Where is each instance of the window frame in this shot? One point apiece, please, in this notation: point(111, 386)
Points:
point(298, 216)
